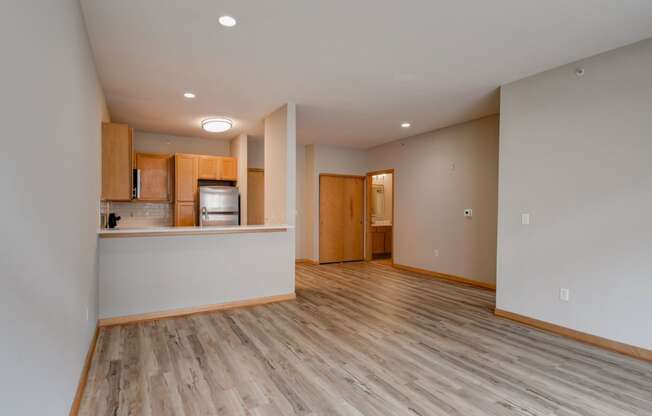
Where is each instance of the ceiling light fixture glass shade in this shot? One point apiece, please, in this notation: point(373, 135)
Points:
point(216, 125)
point(227, 21)
point(189, 95)
point(405, 125)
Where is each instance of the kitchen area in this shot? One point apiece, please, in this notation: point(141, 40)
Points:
point(173, 233)
point(142, 189)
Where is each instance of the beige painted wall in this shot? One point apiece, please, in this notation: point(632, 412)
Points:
point(256, 153)
point(576, 153)
point(51, 110)
point(147, 142)
point(437, 176)
point(326, 159)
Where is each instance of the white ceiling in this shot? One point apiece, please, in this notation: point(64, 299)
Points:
point(355, 68)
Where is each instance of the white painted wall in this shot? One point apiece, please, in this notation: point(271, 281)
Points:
point(437, 176)
point(51, 112)
point(280, 172)
point(301, 220)
point(154, 274)
point(239, 150)
point(147, 142)
point(576, 153)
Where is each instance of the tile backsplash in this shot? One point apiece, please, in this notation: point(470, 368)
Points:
point(140, 214)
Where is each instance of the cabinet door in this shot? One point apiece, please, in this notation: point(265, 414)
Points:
point(185, 172)
point(209, 167)
point(116, 162)
point(154, 177)
point(228, 169)
point(388, 241)
point(184, 214)
point(378, 242)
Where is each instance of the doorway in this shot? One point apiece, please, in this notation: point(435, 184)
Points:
point(255, 196)
point(341, 218)
point(381, 189)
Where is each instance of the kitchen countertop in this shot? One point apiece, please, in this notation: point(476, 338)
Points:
point(175, 231)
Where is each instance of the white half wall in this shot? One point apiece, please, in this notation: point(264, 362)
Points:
point(576, 153)
point(51, 111)
point(154, 274)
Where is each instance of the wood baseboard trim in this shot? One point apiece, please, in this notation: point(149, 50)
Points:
point(626, 349)
point(132, 319)
point(306, 261)
point(444, 276)
point(83, 378)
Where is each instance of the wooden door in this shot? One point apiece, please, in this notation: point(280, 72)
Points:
point(185, 172)
point(208, 167)
point(228, 170)
point(255, 197)
point(184, 214)
point(117, 148)
point(353, 240)
point(341, 226)
point(154, 177)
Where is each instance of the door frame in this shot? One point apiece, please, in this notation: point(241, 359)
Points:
point(364, 210)
point(368, 255)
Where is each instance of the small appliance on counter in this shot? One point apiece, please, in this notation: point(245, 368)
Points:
point(113, 220)
point(219, 205)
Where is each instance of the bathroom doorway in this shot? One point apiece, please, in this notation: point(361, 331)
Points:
point(381, 189)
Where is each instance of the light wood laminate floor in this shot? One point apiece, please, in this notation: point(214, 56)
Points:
point(361, 339)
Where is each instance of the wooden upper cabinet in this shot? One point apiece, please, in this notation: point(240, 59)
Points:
point(218, 168)
point(117, 154)
point(228, 169)
point(186, 174)
point(208, 167)
point(155, 183)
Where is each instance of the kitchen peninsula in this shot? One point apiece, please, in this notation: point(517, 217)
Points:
point(175, 266)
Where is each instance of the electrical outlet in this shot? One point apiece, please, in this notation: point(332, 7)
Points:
point(436, 252)
point(564, 294)
point(468, 212)
point(525, 218)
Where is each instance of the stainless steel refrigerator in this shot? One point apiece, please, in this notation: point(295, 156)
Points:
point(219, 205)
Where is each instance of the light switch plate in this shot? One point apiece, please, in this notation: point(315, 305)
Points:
point(564, 294)
point(525, 219)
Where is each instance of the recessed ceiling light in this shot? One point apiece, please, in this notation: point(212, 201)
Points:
point(189, 95)
point(405, 125)
point(216, 125)
point(227, 21)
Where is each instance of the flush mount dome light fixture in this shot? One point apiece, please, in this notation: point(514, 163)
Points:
point(216, 125)
point(189, 95)
point(405, 124)
point(227, 21)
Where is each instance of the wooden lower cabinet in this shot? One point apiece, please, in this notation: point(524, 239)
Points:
point(185, 214)
point(381, 240)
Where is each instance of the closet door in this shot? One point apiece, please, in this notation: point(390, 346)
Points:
point(353, 240)
point(341, 225)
